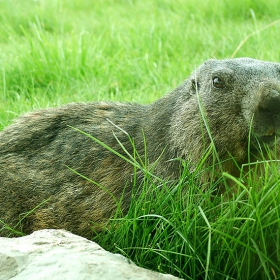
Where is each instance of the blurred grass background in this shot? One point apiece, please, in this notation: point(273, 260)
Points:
point(56, 51)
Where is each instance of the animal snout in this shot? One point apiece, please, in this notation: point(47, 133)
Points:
point(270, 104)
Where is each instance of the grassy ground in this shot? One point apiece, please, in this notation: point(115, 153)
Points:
point(57, 51)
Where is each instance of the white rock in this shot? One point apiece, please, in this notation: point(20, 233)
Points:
point(58, 254)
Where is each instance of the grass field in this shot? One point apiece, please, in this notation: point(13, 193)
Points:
point(59, 51)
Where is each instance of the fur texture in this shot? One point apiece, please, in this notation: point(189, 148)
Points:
point(224, 101)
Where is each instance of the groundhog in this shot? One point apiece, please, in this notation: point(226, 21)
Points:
point(70, 166)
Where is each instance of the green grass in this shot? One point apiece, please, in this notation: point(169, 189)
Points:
point(196, 234)
point(57, 51)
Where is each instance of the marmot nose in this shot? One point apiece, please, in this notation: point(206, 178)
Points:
point(271, 103)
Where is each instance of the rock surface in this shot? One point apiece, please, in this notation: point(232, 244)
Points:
point(58, 254)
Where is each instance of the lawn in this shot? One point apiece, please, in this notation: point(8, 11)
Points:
point(58, 51)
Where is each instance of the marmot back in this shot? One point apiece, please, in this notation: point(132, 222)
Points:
point(232, 103)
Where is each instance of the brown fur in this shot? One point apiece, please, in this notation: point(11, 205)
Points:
point(36, 151)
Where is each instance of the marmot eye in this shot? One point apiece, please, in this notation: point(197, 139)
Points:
point(218, 83)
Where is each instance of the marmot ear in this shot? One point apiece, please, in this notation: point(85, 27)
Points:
point(195, 85)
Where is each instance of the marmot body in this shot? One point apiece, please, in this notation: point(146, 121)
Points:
point(239, 100)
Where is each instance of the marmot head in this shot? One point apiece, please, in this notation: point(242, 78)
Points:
point(240, 99)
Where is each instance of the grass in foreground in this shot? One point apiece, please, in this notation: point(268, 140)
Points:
point(194, 232)
point(200, 235)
